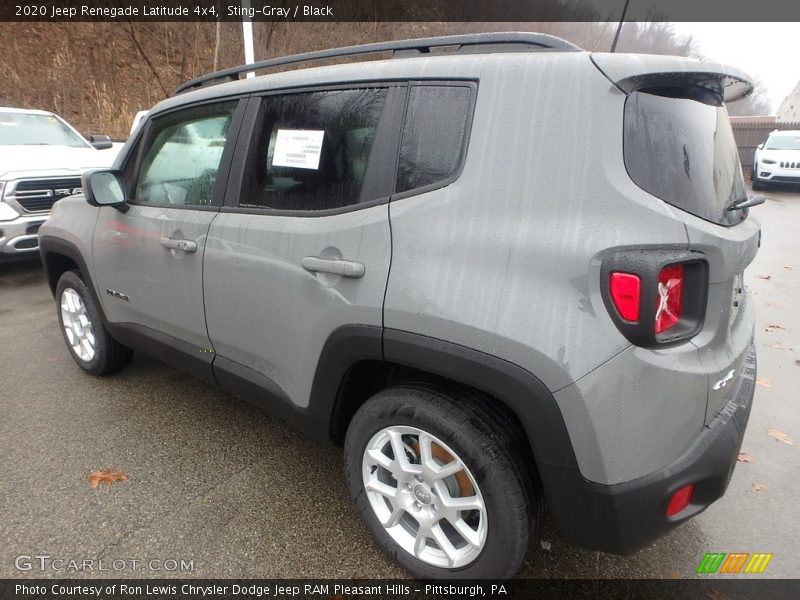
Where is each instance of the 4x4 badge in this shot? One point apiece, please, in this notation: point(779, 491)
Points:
point(724, 381)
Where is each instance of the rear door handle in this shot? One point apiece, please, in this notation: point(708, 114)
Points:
point(345, 268)
point(182, 245)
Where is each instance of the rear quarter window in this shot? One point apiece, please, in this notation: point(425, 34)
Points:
point(434, 135)
point(680, 148)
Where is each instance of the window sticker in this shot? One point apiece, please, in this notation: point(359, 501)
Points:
point(298, 148)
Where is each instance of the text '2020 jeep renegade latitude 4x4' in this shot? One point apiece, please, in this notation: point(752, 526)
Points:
point(503, 277)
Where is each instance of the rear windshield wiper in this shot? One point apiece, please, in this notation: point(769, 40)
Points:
point(746, 202)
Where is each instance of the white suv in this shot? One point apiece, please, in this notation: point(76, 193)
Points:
point(42, 158)
point(777, 160)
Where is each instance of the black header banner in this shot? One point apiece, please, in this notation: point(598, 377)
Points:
point(398, 10)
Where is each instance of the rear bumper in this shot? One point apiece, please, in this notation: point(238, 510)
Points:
point(624, 517)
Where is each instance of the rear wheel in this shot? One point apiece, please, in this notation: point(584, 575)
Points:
point(90, 345)
point(437, 485)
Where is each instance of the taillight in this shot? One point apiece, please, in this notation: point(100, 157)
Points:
point(626, 292)
point(669, 300)
point(655, 296)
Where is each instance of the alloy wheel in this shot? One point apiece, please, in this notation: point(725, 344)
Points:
point(77, 325)
point(424, 496)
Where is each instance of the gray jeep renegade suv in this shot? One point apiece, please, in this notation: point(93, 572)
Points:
point(505, 274)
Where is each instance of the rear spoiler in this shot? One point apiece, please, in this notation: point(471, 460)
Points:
point(631, 72)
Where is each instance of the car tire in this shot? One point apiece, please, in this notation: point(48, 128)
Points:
point(83, 329)
point(492, 487)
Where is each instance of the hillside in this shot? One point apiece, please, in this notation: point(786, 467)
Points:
point(98, 75)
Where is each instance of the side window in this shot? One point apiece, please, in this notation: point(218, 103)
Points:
point(433, 135)
point(310, 150)
point(182, 154)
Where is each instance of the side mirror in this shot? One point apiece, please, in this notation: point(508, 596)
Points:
point(760, 146)
point(101, 142)
point(104, 188)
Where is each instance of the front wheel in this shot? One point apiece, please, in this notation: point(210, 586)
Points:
point(90, 345)
point(437, 484)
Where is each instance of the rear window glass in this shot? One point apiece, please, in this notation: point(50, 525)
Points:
point(312, 149)
point(682, 150)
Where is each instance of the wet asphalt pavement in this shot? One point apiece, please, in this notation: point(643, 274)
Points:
point(217, 482)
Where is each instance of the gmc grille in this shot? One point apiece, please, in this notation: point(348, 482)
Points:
point(39, 195)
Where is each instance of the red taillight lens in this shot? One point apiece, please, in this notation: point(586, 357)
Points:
point(669, 299)
point(680, 500)
point(626, 293)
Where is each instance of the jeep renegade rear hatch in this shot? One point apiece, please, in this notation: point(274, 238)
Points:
point(678, 142)
point(681, 149)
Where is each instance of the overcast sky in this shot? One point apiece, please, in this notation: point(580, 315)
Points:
point(767, 51)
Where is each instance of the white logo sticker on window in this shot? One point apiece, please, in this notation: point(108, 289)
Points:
point(298, 148)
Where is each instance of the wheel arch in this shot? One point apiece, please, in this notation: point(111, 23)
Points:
point(359, 361)
point(58, 256)
point(519, 392)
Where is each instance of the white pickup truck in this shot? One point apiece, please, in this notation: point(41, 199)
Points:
point(42, 158)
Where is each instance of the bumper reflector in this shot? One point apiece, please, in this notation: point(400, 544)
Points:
point(680, 500)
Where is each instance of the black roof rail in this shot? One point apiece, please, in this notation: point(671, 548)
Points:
point(471, 43)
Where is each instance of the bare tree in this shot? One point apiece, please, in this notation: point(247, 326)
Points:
point(756, 103)
point(132, 71)
point(656, 38)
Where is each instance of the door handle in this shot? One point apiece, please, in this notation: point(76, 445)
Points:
point(182, 245)
point(345, 268)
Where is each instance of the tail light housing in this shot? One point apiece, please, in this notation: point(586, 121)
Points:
point(656, 297)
